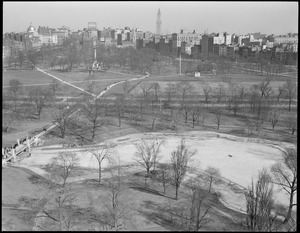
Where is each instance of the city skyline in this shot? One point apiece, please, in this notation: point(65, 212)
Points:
point(232, 17)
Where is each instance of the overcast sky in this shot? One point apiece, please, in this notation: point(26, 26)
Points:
point(232, 17)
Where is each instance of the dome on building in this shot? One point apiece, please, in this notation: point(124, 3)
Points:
point(31, 28)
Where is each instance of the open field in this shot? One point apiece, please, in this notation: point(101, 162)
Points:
point(19, 189)
point(27, 77)
point(248, 156)
point(146, 206)
point(247, 80)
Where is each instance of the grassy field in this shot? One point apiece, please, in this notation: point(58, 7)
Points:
point(146, 206)
point(146, 203)
point(27, 77)
point(20, 189)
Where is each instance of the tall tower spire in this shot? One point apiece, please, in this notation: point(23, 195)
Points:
point(158, 23)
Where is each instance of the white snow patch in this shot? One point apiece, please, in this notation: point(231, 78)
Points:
point(248, 158)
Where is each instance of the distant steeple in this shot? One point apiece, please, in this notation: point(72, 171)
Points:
point(158, 23)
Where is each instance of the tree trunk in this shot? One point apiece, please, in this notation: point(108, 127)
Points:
point(153, 123)
point(289, 213)
point(193, 122)
point(119, 121)
point(93, 134)
point(176, 191)
point(99, 172)
point(62, 133)
point(209, 186)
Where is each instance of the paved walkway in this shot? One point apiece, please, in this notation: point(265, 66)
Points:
point(65, 82)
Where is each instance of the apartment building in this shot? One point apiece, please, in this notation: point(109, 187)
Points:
point(61, 35)
point(223, 50)
point(285, 39)
point(207, 43)
point(195, 51)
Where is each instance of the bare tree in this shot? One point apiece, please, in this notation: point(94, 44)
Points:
point(212, 175)
point(8, 120)
point(62, 216)
point(291, 123)
point(260, 204)
point(164, 175)
point(265, 87)
point(125, 87)
point(174, 118)
point(120, 105)
point(242, 93)
point(220, 92)
point(274, 116)
point(54, 85)
point(33, 57)
point(146, 91)
point(15, 87)
point(62, 167)
point(186, 109)
point(156, 88)
point(156, 114)
point(198, 208)
point(62, 118)
point(184, 88)
point(191, 213)
point(89, 86)
point(147, 153)
point(159, 66)
point(21, 58)
point(237, 94)
point(290, 90)
point(254, 98)
point(285, 175)
point(39, 97)
point(117, 212)
point(102, 153)
point(195, 112)
point(218, 117)
point(170, 91)
point(179, 162)
point(94, 112)
point(280, 92)
point(207, 91)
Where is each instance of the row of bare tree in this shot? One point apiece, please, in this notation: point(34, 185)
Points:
point(262, 210)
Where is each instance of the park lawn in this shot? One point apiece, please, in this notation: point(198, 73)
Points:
point(214, 81)
point(19, 187)
point(83, 76)
point(21, 128)
point(101, 80)
point(27, 77)
point(212, 150)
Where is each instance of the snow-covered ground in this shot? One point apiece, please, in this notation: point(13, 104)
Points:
point(249, 156)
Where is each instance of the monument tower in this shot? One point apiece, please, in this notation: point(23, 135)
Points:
point(158, 23)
